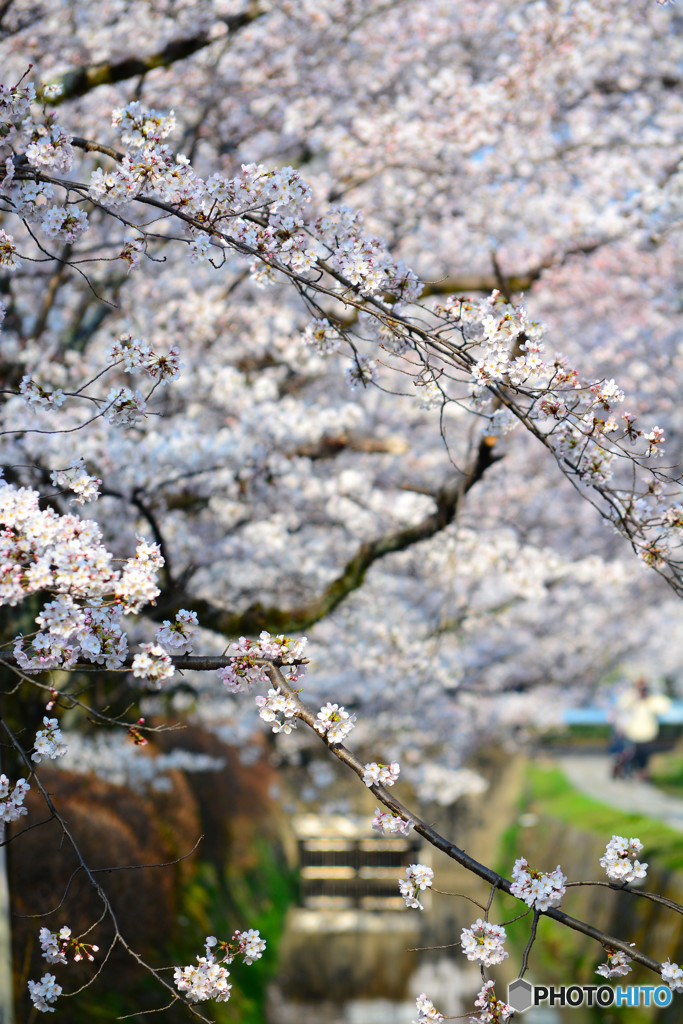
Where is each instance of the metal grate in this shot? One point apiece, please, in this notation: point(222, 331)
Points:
point(360, 873)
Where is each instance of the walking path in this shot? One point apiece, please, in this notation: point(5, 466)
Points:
point(591, 774)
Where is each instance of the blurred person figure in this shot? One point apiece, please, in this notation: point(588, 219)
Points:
point(638, 713)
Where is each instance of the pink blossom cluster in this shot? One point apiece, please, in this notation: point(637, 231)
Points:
point(620, 860)
point(375, 774)
point(483, 942)
point(418, 878)
point(538, 890)
point(12, 798)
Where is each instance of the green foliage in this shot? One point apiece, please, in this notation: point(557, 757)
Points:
point(219, 902)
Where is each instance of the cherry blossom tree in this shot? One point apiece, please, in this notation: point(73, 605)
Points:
point(263, 315)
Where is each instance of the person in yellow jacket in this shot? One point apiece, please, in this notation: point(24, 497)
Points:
point(638, 713)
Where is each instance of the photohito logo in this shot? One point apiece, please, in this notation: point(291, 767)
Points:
point(522, 995)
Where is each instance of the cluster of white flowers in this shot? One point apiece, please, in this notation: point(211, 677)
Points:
point(49, 742)
point(364, 261)
point(209, 979)
point(483, 943)
point(616, 965)
point(54, 945)
point(150, 168)
point(44, 992)
point(538, 890)
point(418, 878)
point(334, 723)
point(125, 407)
point(153, 664)
point(279, 648)
point(672, 974)
point(426, 1011)
point(499, 422)
point(137, 585)
point(360, 372)
point(655, 441)
point(40, 396)
point(248, 945)
point(133, 354)
point(8, 252)
point(492, 1010)
point(45, 652)
point(178, 636)
point(496, 326)
point(77, 479)
point(65, 222)
point(385, 822)
point(12, 798)
point(619, 860)
point(242, 671)
point(513, 351)
point(131, 252)
point(246, 665)
point(42, 551)
point(381, 774)
point(322, 336)
point(49, 146)
point(200, 247)
point(278, 709)
point(138, 126)
point(101, 638)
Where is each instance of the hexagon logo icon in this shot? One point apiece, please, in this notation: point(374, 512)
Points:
point(520, 995)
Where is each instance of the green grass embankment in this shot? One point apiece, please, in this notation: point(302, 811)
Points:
point(559, 825)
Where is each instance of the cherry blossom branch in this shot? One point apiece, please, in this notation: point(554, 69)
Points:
point(427, 832)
